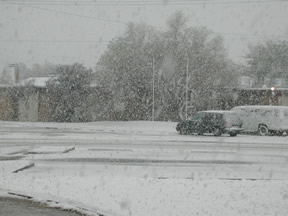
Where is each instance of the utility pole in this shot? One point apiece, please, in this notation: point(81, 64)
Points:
point(187, 70)
point(153, 85)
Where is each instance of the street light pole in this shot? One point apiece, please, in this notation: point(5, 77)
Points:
point(153, 94)
point(187, 69)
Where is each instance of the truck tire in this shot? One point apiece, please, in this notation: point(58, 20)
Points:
point(217, 131)
point(183, 131)
point(263, 130)
point(233, 134)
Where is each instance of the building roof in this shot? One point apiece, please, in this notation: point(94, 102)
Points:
point(36, 81)
point(217, 111)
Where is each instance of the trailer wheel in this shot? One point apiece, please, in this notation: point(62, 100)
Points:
point(183, 131)
point(233, 134)
point(263, 130)
point(217, 131)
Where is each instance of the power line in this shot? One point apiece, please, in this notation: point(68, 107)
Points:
point(66, 13)
point(55, 41)
point(121, 22)
point(143, 3)
point(233, 36)
point(240, 35)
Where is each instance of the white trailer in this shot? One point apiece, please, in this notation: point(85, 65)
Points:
point(263, 119)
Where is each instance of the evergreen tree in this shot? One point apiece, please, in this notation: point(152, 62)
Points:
point(268, 60)
point(69, 91)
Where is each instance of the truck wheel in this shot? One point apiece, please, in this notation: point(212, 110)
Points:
point(233, 134)
point(217, 131)
point(280, 133)
point(263, 130)
point(183, 131)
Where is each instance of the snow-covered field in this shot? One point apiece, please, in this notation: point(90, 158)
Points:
point(143, 168)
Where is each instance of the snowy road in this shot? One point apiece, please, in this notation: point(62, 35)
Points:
point(110, 144)
point(116, 160)
point(15, 207)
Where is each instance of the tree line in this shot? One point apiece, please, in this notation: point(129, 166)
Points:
point(148, 74)
point(162, 72)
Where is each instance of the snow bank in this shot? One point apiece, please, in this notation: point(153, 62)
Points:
point(150, 196)
point(51, 149)
point(147, 189)
point(14, 166)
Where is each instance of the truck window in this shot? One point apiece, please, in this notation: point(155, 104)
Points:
point(196, 116)
point(264, 113)
point(276, 113)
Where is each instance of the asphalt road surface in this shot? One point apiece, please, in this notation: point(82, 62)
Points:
point(130, 150)
point(116, 143)
point(20, 207)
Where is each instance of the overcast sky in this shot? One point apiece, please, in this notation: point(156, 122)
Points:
point(66, 31)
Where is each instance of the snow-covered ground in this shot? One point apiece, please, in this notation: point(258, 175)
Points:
point(143, 168)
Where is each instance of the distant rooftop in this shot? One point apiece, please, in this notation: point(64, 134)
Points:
point(36, 81)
